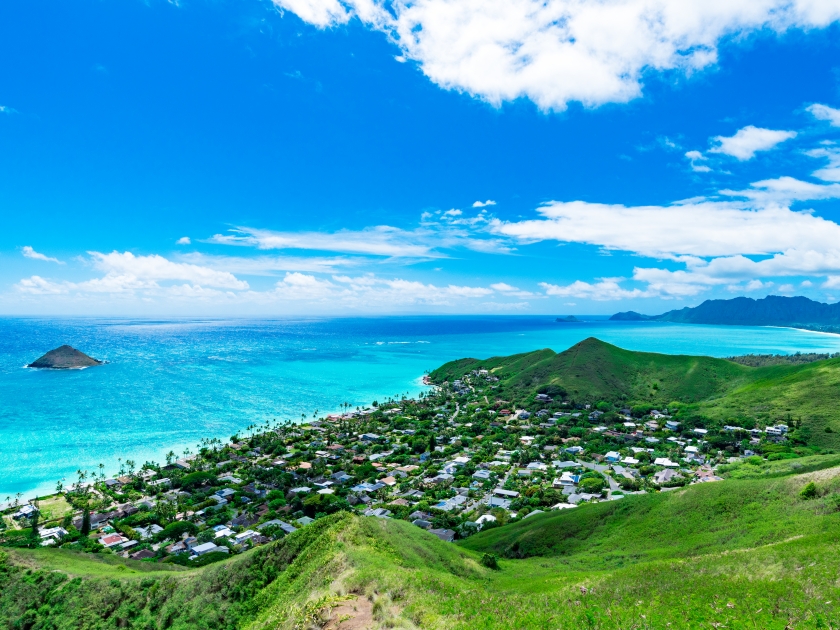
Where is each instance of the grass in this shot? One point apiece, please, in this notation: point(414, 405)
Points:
point(756, 468)
point(726, 516)
point(54, 507)
point(743, 553)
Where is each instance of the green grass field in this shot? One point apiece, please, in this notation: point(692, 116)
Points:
point(743, 553)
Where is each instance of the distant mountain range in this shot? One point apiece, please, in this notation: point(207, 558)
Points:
point(774, 310)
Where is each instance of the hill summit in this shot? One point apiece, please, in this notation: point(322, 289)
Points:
point(64, 358)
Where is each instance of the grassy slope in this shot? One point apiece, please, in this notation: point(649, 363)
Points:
point(593, 370)
point(745, 554)
point(682, 523)
point(810, 392)
point(596, 370)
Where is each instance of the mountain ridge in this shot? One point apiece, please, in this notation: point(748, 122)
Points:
point(773, 310)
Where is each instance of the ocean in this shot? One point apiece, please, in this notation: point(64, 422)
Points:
point(169, 383)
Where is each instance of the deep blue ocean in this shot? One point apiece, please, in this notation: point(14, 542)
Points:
point(170, 382)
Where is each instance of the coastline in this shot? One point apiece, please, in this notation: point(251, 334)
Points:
point(47, 488)
point(161, 392)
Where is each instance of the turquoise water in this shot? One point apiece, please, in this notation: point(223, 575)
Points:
point(170, 383)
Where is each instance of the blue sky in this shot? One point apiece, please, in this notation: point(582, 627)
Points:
point(318, 156)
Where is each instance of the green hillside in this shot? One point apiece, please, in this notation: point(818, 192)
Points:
point(711, 391)
point(595, 370)
point(739, 554)
point(688, 522)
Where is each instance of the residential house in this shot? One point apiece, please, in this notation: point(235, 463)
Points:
point(446, 535)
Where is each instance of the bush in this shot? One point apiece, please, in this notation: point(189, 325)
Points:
point(591, 485)
point(490, 561)
point(809, 491)
point(629, 484)
point(196, 479)
point(173, 531)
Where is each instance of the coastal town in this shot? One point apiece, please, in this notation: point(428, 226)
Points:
point(455, 460)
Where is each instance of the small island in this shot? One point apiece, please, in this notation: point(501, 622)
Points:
point(64, 358)
point(568, 319)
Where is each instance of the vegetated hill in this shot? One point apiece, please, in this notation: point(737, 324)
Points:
point(808, 392)
point(774, 310)
point(739, 554)
point(711, 392)
point(593, 370)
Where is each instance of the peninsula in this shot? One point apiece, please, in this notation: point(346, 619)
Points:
point(774, 310)
point(64, 358)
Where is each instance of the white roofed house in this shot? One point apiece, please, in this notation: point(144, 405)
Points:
point(52, 535)
point(664, 461)
point(566, 479)
point(208, 547)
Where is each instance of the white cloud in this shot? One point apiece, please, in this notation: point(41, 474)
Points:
point(556, 51)
point(695, 157)
point(702, 228)
point(507, 289)
point(449, 230)
point(784, 190)
point(786, 288)
point(5, 109)
point(824, 112)
point(130, 275)
point(501, 286)
point(831, 172)
point(321, 13)
point(749, 140)
point(757, 285)
point(271, 265)
point(155, 268)
point(377, 241)
point(184, 240)
point(36, 285)
point(367, 290)
point(483, 204)
point(605, 289)
point(28, 252)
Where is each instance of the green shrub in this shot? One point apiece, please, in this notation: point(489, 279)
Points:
point(173, 531)
point(591, 485)
point(196, 479)
point(490, 561)
point(809, 491)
